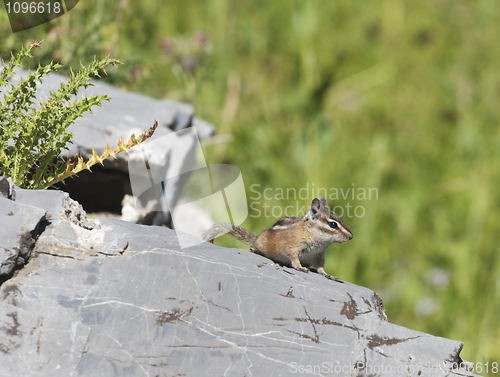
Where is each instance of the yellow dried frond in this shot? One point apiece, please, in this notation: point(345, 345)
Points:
point(147, 134)
point(72, 169)
point(120, 146)
point(136, 141)
point(94, 159)
point(108, 152)
point(80, 165)
point(132, 141)
point(57, 178)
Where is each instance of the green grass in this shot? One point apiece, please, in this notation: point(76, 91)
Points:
point(395, 95)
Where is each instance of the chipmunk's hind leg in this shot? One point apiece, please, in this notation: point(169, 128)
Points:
point(322, 271)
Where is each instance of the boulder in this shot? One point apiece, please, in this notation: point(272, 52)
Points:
point(110, 298)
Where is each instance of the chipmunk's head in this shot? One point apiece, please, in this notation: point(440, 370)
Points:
point(325, 222)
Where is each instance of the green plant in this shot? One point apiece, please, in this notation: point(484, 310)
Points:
point(32, 133)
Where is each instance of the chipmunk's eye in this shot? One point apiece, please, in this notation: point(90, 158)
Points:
point(333, 224)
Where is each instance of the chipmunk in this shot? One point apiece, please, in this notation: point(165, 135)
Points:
point(291, 241)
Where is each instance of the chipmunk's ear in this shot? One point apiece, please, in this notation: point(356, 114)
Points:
point(315, 207)
point(324, 204)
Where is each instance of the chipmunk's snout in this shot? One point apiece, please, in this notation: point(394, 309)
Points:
point(346, 234)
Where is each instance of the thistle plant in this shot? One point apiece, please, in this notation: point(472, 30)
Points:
point(34, 133)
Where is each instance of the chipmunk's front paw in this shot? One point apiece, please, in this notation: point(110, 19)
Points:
point(331, 277)
point(303, 269)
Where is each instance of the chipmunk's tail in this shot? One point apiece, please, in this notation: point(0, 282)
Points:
point(234, 230)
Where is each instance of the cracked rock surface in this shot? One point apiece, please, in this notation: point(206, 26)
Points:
point(110, 298)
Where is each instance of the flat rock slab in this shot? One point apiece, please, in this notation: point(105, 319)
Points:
point(110, 298)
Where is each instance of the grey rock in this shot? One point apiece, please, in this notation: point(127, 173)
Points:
point(57, 204)
point(18, 229)
point(5, 188)
point(119, 299)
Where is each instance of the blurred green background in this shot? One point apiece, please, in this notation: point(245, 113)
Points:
point(397, 96)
